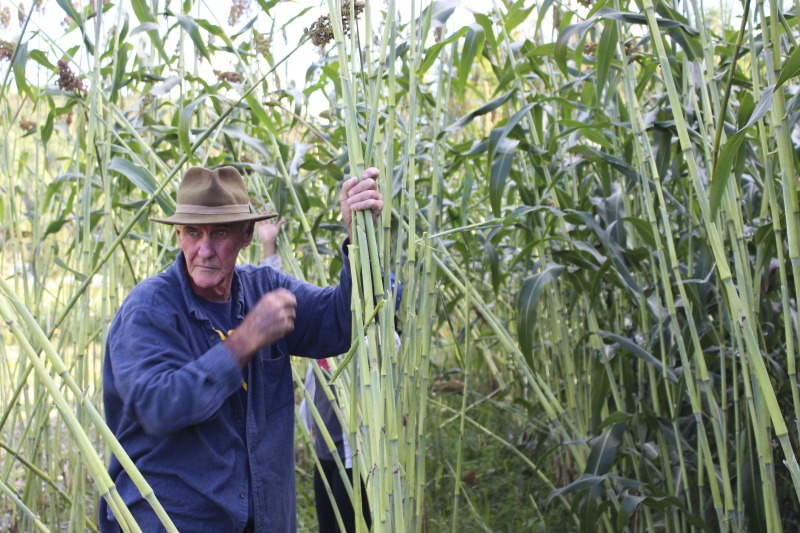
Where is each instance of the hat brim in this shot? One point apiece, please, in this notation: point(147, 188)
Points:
point(187, 219)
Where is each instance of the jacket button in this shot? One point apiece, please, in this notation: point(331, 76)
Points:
point(241, 495)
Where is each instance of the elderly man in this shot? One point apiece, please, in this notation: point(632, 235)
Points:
point(196, 377)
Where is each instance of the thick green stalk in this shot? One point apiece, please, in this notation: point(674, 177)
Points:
point(737, 310)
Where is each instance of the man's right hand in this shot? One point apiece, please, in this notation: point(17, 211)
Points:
point(269, 320)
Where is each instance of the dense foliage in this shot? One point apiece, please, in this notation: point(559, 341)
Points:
point(592, 208)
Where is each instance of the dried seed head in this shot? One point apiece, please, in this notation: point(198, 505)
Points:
point(39, 6)
point(7, 50)
point(589, 48)
point(262, 43)
point(5, 17)
point(239, 9)
point(359, 8)
point(228, 76)
point(27, 125)
point(321, 31)
point(21, 16)
point(68, 81)
point(68, 118)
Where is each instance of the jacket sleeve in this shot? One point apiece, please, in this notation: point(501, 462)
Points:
point(163, 384)
point(323, 321)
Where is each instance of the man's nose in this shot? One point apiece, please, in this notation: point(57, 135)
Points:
point(205, 249)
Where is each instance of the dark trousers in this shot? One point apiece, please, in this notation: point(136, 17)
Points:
point(325, 514)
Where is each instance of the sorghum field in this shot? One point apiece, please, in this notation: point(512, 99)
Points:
point(592, 208)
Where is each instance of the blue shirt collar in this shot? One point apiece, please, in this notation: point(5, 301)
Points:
point(196, 311)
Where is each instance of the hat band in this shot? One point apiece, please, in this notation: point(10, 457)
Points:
point(188, 209)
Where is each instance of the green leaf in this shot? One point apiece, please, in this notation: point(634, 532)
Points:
point(790, 69)
point(636, 350)
point(47, 129)
point(562, 48)
point(730, 151)
point(260, 113)
point(143, 180)
point(585, 481)
point(433, 52)
point(266, 5)
point(722, 171)
point(41, 58)
point(142, 11)
point(145, 26)
point(606, 51)
point(488, 25)
point(55, 226)
point(190, 26)
point(20, 59)
point(78, 275)
point(644, 230)
point(516, 15)
point(70, 10)
point(486, 108)
point(498, 174)
point(603, 452)
point(119, 69)
point(252, 142)
point(185, 124)
point(473, 44)
point(441, 11)
point(527, 304)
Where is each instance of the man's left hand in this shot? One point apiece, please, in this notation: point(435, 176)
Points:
point(360, 196)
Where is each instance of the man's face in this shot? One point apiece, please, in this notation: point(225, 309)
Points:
point(211, 252)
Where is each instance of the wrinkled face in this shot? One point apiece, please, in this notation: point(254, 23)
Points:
point(211, 252)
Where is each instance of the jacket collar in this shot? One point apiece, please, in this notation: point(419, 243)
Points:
point(178, 271)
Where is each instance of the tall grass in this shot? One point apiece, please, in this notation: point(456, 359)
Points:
point(591, 210)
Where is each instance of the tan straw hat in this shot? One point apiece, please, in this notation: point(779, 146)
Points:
point(212, 197)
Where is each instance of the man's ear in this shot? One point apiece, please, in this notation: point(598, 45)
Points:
point(248, 233)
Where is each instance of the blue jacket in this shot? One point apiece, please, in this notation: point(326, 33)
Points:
point(171, 394)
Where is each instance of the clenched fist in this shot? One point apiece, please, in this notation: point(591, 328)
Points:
point(271, 319)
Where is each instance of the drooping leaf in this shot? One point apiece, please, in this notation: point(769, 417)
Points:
point(41, 58)
point(730, 151)
point(606, 51)
point(142, 179)
point(603, 452)
point(239, 134)
point(55, 226)
point(190, 26)
point(636, 350)
point(72, 13)
point(20, 59)
point(440, 12)
point(790, 68)
point(585, 481)
point(486, 108)
point(517, 14)
point(498, 174)
point(119, 69)
point(145, 16)
point(527, 306)
point(185, 124)
point(473, 44)
point(433, 52)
